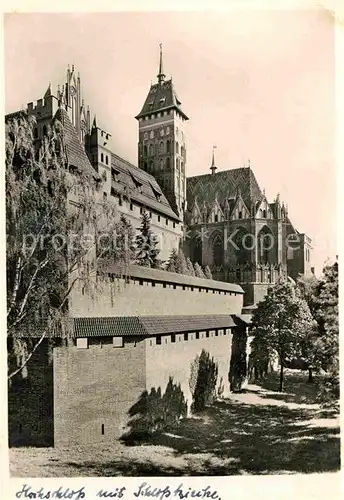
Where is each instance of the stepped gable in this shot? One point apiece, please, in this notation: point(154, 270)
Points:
point(136, 184)
point(76, 155)
point(224, 186)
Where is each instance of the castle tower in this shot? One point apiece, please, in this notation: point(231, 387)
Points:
point(162, 143)
point(99, 153)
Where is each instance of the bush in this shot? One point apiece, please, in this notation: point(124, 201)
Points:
point(203, 381)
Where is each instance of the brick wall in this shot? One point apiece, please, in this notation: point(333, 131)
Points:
point(30, 402)
point(95, 387)
point(145, 296)
point(173, 359)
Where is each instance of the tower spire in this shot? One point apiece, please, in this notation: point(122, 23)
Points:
point(213, 166)
point(161, 75)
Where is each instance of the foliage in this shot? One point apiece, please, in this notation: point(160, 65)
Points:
point(54, 216)
point(147, 244)
point(203, 385)
point(198, 271)
point(155, 411)
point(180, 263)
point(279, 324)
point(172, 262)
point(190, 268)
point(207, 273)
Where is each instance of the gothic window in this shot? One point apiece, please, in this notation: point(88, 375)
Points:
point(102, 157)
point(162, 147)
point(168, 146)
point(145, 166)
point(240, 214)
point(177, 147)
point(177, 164)
point(161, 164)
point(182, 151)
point(264, 214)
point(265, 246)
point(151, 166)
point(240, 246)
point(168, 163)
point(217, 250)
point(216, 218)
point(107, 159)
point(182, 167)
point(151, 150)
point(145, 150)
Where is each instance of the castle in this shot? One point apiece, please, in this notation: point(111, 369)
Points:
point(160, 321)
point(221, 218)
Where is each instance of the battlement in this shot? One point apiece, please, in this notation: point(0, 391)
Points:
point(43, 108)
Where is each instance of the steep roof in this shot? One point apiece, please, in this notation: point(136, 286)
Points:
point(140, 186)
point(161, 96)
point(223, 186)
point(76, 155)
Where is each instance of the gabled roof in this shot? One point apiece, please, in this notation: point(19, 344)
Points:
point(161, 96)
point(76, 155)
point(224, 186)
point(138, 185)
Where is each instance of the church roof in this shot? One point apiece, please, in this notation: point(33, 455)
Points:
point(224, 187)
point(161, 97)
point(76, 155)
point(140, 186)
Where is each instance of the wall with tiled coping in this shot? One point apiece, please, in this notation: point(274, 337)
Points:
point(149, 292)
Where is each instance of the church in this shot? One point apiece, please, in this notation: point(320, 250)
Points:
point(221, 218)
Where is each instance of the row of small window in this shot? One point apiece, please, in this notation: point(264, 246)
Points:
point(166, 164)
point(160, 114)
point(308, 255)
point(182, 287)
point(162, 132)
point(162, 148)
point(102, 158)
point(164, 339)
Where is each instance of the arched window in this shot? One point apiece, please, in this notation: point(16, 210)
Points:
point(162, 149)
point(217, 246)
point(240, 245)
point(177, 164)
point(168, 146)
point(168, 163)
point(264, 214)
point(182, 167)
point(102, 157)
point(182, 151)
point(265, 246)
point(177, 147)
point(151, 150)
point(107, 159)
point(145, 150)
point(161, 164)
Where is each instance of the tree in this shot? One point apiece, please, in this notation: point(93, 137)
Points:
point(180, 263)
point(207, 273)
point(190, 268)
point(280, 322)
point(125, 235)
point(54, 216)
point(198, 271)
point(146, 244)
point(172, 262)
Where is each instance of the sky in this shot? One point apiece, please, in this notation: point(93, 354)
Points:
point(260, 85)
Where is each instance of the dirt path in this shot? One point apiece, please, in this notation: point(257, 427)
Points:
point(258, 431)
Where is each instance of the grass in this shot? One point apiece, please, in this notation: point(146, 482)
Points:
point(258, 431)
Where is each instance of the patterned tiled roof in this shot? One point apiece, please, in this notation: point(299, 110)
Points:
point(149, 325)
point(223, 186)
point(140, 186)
point(76, 155)
point(161, 96)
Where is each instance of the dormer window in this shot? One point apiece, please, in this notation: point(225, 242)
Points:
point(137, 182)
point(157, 193)
point(114, 174)
point(216, 218)
point(240, 214)
point(264, 214)
point(162, 100)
